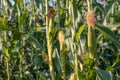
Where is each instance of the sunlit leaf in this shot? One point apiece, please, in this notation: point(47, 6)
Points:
point(78, 33)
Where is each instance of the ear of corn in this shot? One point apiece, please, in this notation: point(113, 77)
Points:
point(90, 18)
point(63, 53)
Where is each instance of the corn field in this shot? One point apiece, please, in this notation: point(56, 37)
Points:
point(59, 39)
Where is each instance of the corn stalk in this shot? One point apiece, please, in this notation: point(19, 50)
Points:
point(62, 45)
point(91, 35)
point(49, 25)
point(58, 12)
point(74, 17)
point(62, 53)
point(5, 47)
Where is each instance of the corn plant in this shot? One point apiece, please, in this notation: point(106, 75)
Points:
point(59, 39)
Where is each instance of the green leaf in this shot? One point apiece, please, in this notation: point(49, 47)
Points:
point(34, 41)
point(108, 34)
point(38, 2)
point(2, 28)
point(17, 35)
point(75, 9)
point(80, 76)
point(4, 25)
point(103, 75)
point(5, 49)
point(118, 1)
point(105, 9)
point(108, 7)
point(2, 10)
point(38, 28)
point(78, 33)
point(42, 77)
point(92, 75)
point(53, 34)
point(9, 3)
point(57, 65)
point(16, 38)
point(98, 6)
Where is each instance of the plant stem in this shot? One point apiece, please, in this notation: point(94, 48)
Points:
point(8, 73)
point(5, 39)
point(7, 58)
point(7, 63)
point(112, 12)
point(62, 56)
point(88, 3)
point(47, 27)
point(20, 29)
point(62, 52)
point(105, 21)
point(76, 61)
point(90, 41)
point(20, 66)
point(18, 17)
point(49, 42)
point(91, 37)
point(37, 74)
point(58, 12)
point(50, 49)
point(24, 4)
point(63, 64)
point(74, 44)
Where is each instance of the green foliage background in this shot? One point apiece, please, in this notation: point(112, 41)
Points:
point(23, 42)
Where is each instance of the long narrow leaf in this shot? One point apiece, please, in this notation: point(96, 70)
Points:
point(80, 30)
point(103, 75)
point(108, 34)
point(108, 7)
point(74, 9)
point(34, 42)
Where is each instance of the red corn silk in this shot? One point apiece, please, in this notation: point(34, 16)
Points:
point(50, 12)
point(46, 59)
